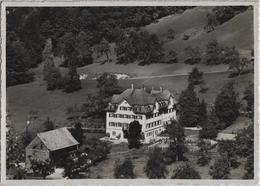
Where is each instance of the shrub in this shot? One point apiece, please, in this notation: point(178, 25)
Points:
point(42, 168)
point(185, 172)
point(203, 158)
point(195, 76)
point(220, 168)
point(155, 167)
point(71, 80)
point(124, 169)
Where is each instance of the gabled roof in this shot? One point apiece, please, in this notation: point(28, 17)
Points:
point(140, 96)
point(57, 139)
point(134, 97)
point(161, 94)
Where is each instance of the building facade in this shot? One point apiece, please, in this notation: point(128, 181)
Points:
point(151, 109)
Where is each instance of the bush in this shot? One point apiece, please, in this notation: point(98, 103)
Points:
point(124, 169)
point(155, 167)
point(220, 168)
point(249, 167)
point(72, 82)
point(195, 76)
point(185, 172)
point(42, 168)
point(203, 158)
point(96, 149)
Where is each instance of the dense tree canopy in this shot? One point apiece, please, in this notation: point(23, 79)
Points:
point(72, 30)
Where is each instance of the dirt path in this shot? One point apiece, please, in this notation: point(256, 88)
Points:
point(174, 75)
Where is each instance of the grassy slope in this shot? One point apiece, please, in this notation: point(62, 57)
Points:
point(22, 99)
point(192, 22)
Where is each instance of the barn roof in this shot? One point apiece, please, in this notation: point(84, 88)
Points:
point(57, 139)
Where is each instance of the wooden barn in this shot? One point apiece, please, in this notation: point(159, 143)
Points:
point(51, 145)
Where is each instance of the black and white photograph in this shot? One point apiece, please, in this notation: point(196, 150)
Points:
point(130, 92)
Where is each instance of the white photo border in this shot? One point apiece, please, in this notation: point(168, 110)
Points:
point(134, 182)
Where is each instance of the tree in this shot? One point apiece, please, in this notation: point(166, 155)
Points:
point(249, 167)
point(42, 168)
point(71, 80)
point(53, 78)
point(245, 141)
point(189, 106)
point(139, 46)
point(83, 47)
point(228, 148)
point(211, 22)
point(48, 124)
point(245, 148)
point(15, 151)
point(176, 135)
point(213, 54)
point(226, 105)
point(204, 158)
point(124, 169)
point(75, 163)
point(173, 57)
point(17, 69)
point(249, 97)
point(185, 172)
point(224, 13)
point(97, 150)
point(134, 134)
point(195, 76)
point(47, 51)
point(47, 67)
point(220, 168)
point(193, 55)
point(155, 167)
point(202, 112)
point(209, 128)
point(77, 132)
point(236, 64)
point(95, 105)
point(104, 48)
point(107, 85)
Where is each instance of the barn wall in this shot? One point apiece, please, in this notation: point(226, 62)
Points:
point(36, 150)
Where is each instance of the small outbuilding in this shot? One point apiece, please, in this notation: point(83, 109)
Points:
point(52, 145)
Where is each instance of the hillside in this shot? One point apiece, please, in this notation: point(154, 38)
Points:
point(192, 22)
point(21, 99)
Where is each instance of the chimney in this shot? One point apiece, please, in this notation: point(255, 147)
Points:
point(132, 86)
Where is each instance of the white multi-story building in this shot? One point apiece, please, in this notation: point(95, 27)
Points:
point(152, 110)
